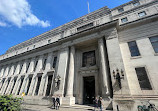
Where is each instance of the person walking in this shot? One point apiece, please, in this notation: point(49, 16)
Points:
point(57, 103)
point(95, 103)
point(100, 103)
point(54, 101)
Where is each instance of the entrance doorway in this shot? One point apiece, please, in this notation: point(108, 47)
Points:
point(88, 90)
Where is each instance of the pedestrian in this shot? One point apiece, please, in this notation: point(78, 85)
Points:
point(54, 101)
point(100, 103)
point(57, 103)
point(95, 103)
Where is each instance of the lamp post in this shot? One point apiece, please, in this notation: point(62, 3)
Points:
point(118, 76)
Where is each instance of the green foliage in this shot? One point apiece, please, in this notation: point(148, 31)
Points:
point(9, 103)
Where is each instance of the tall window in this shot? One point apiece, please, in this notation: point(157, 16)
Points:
point(15, 68)
point(133, 48)
point(22, 79)
point(44, 64)
point(38, 85)
point(28, 65)
point(36, 62)
point(54, 62)
point(154, 42)
point(21, 66)
point(88, 59)
point(143, 78)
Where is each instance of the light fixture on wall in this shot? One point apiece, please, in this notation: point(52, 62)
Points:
point(118, 75)
point(57, 81)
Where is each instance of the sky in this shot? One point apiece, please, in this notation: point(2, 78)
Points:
point(21, 20)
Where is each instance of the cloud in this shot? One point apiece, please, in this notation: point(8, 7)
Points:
point(3, 24)
point(18, 12)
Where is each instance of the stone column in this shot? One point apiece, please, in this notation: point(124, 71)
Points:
point(61, 71)
point(70, 100)
point(23, 70)
point(6, 71)
point(69, 90)
point(32, 85)
point(40, 63)
point(17, 68)
point(16, 85)
point(11, 70)
point(23, 84)
point(32, 65)
point(104, 68)
point(33, 82)
point(44, 76)
point(9, 86)
point(2, 71)
point(4, 86)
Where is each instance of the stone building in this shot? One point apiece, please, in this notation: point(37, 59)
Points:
point(111, 53)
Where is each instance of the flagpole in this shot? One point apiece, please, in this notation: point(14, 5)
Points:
point(88, 7)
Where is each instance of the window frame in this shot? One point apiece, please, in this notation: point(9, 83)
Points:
point(124, 21)
point(83, 58)
point(137, 48)
point(120, 10)
point(147, 73)
point(142, 15)
point(136, 3)
point(152, 44)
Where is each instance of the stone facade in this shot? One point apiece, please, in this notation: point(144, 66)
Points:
point(90, 56)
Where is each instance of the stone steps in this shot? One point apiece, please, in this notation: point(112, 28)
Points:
point(83, 107)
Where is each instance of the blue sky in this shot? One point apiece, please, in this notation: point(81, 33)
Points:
point(21, 20)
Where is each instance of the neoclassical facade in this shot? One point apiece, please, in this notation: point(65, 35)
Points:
point(111, 53)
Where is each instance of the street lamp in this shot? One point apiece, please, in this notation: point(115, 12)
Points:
point(118, 77)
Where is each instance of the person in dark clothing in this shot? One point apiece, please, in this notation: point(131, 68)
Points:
point(54, 101)
point(57, 102)
point(100, 103)
point(95, 103)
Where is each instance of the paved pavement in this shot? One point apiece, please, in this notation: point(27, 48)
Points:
point(62, 108)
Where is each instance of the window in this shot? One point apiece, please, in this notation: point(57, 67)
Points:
point(154, 42)
point(54, 62)
point(120, 10)
point(21, 81)
point(85, 27)
point(88, 59)
point(49, 40)
point(133, 48)
point(35, 65)
point(38, 84)
point(34, 46)
point(124, 20)
point(142, 14)
point(143, 78)
point(21, 66)
point(44, 64)
point(28, 48)
point(28, 66)
point(136, 3)
point(15, 68)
